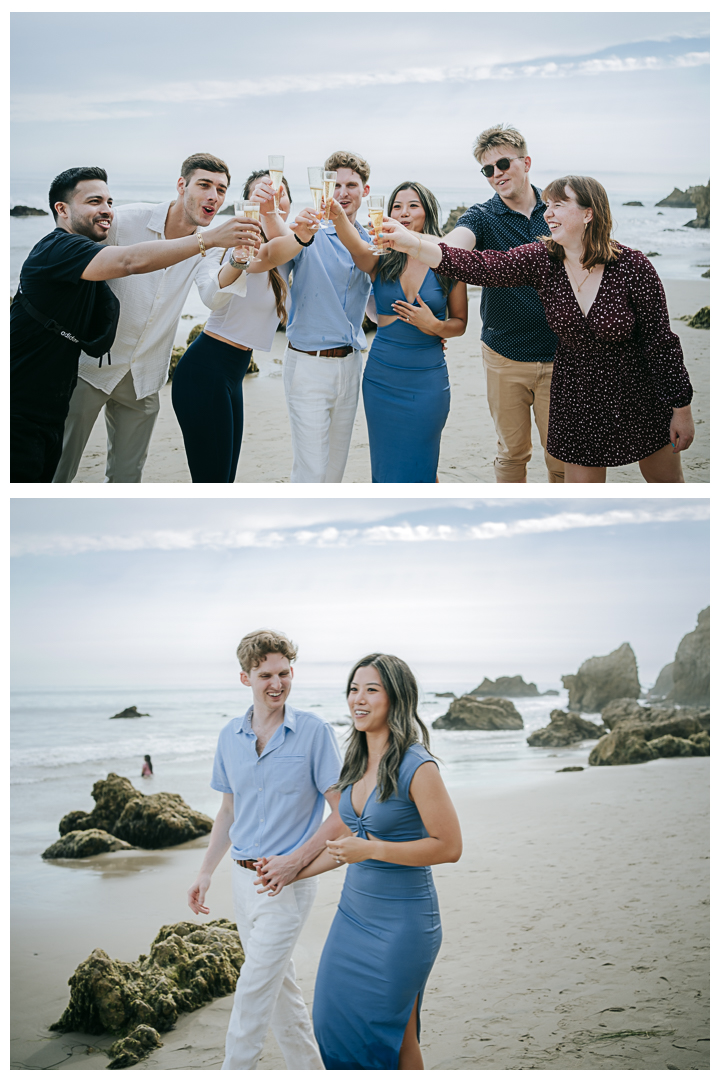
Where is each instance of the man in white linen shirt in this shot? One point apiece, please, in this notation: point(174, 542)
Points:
point(276, 766)
point(150, 309)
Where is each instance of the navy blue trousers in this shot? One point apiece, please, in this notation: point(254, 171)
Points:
point(208, 402)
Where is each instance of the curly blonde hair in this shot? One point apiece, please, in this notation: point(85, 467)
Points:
point(345, 159)
point(256, 646)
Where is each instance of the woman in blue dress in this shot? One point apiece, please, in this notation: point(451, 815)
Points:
point(406, 390)
point(398, 820)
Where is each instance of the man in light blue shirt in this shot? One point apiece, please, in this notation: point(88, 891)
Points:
point(276, 766)
point(322, 366)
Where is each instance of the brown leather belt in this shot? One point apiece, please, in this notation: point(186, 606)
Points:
point(342, 350)
point(248, 864)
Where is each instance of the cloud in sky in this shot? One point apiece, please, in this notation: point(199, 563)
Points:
point(335, 535)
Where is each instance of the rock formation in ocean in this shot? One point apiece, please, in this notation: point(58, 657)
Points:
point(506, 686)
point(27, 211)
point(564, 729)
point(188, 966)
point(691, 669)
point(677, 198)
point(445, 693)
point(130, 713)
point(134, 1047)
point(633, 202)
point(146, 821)
point(81, 843)
point(489, 714)
point(643, 733)
point(453, 218)
point(601, 679)
point(700, 196)
point(663, 684)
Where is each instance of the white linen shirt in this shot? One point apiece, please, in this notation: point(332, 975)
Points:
point(150, 307)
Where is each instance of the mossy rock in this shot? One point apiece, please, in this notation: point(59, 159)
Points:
point(82, 843)
point(700, 320)
point(134, 1047)
point(188, 966)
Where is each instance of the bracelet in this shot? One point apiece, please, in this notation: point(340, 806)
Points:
point(302, 241)
point(239, 265)
point(201, 242)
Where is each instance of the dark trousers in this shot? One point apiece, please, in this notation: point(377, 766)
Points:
point(35, 449)
point(208, 402)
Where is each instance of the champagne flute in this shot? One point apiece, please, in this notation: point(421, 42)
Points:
point(276, 167)
point(251, 210)
point(376, 210)
point(328, 190)
point(315, 174)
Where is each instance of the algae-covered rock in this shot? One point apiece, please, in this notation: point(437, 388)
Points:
point(488, 714)
point(147, 821)
point(625, 745)
point(188, 965)
point(81, 843)
point(564, 729)
point(453, 218)
point(671, 746)
point(134, 1047)
point(131, 713)
point(665, 733)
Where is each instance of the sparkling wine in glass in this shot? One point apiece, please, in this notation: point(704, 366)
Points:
point(328, 190)
point(376, 210)
point(276, 167)
point(315, 174)
point(250, 210)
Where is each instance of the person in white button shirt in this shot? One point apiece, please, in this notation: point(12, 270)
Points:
point(151, 305)
point(246, 309)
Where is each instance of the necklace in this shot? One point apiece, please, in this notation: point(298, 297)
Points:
point(578, 286)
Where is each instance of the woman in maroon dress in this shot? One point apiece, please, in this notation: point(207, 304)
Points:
point(620, 392)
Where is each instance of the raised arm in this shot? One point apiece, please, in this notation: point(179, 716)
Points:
point(117, 262)
point(444, 844)
point(353, 241)
point(219, 843)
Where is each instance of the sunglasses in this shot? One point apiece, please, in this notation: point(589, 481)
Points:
point(502, 164)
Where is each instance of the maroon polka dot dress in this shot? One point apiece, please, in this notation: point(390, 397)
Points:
point(618, 370)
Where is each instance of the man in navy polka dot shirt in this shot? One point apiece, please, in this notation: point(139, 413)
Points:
point(517, 344)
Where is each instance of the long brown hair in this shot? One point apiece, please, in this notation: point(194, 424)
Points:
point(598, 244)
point(277, 281)
point(393, 263)
point(405, 726)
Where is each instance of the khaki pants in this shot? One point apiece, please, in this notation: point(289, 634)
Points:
point(514, 388)
point(129, 421)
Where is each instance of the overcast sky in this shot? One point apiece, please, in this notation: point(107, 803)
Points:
point(159, 592)
point(599, 93)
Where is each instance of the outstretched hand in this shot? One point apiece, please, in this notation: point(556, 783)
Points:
point(306, 224)
point(395, 235)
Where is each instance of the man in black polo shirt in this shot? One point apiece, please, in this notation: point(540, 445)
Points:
point(517, 343)
point(63, 306)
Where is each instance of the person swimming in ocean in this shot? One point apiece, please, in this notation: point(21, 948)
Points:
point(147, 769)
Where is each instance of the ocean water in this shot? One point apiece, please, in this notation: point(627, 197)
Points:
point(62, 741)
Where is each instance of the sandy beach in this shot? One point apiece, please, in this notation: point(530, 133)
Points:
point(468, 444)
point(578, 912)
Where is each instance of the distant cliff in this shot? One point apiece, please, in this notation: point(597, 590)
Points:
point(699, 197)
point(27, 211)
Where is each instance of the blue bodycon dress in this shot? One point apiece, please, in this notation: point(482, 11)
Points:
point(406, 390)
point(383, 941)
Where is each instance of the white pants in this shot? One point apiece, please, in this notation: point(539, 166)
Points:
point(267, 994)
point(129, 421)
point(322, 397)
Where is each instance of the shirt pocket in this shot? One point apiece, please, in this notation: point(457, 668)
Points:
point(286, 774)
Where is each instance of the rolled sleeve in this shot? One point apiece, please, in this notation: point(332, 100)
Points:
point(211, 292)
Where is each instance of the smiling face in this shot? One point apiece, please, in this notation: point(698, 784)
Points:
point(202, 195)
point(509, 183)
point(350, 191)
point(368, 701)
point(88, 211)
point(270, 681)
point(408, 210)
point(566, 218)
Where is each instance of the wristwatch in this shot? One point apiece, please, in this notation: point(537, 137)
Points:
point(238, 265)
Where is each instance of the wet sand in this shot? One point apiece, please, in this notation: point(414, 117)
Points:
point(468, 444)
point(578, 912)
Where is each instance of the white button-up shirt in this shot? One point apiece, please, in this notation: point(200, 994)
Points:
point(150, 307)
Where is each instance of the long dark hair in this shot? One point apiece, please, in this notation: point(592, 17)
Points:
point(277, 282)
point(405, 726)
point(598, 244)
point(393, 263)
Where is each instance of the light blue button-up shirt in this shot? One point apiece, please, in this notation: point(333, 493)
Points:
point(328, 295)
point(278, 796)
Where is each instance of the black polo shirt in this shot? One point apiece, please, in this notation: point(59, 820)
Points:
point(514, 322)
point(44, 366)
